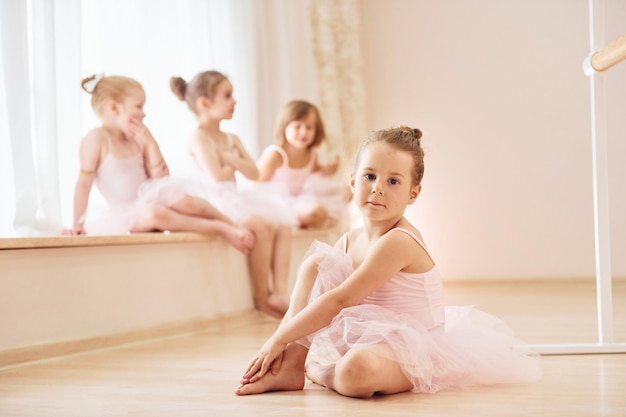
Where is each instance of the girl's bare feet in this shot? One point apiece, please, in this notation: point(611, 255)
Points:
point(242, 239)
point(265, 307)
point(289, 378)
point(279, 303)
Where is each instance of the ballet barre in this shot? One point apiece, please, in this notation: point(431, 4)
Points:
point(601, 59)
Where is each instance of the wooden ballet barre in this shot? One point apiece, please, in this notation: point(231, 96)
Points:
point(607, 57)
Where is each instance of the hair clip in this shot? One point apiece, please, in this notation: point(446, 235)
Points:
point(91, 84)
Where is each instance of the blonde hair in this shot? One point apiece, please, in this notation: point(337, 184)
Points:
point(402, 138)
point(103, 88)
point(203, 84)
point(297, 110)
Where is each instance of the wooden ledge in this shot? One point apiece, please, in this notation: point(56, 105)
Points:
point(129, 239)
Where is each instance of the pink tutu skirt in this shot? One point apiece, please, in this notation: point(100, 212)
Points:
point(316, 190)
point(116, 218)
point(473, 348)
point(241, 203)
point(329, 193)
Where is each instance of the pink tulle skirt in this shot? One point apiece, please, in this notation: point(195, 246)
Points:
point(317, 190)
point(242, 203)
point(115, 218)
point(329, 193)
point(473, 348)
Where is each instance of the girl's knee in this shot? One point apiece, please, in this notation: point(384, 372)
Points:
point(355, 373)
point(160, 215)
point(310, 264)
point(186, 203)
point(154, 217)
point(262, 229)
point(315, 217)
point(283, 230)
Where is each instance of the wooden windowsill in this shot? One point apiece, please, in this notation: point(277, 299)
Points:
point(129, 239)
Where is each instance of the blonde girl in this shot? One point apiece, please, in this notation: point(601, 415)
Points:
point(122, 158)
point(217, 156)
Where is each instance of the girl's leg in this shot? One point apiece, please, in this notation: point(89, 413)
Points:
point(362, 372)
point(164, 218)
point(307, 274)
point(259, 263)
point(199, 207)
point(290, 377)
point(281, 258)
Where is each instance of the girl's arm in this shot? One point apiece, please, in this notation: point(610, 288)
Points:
point(89, 154)
point(154, 163)
point(392, 253)
point(327, 169)
point(241, 161)
point(209, 158)
point(268, 163)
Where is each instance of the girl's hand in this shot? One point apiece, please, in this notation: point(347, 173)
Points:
point(270, 357)
point(74, 231)
point(227, 158)
point(140, 132)
point(230, 157)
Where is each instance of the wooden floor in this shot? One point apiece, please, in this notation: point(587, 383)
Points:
point(195, 375)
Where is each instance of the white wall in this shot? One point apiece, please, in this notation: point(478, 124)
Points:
point(499, 91)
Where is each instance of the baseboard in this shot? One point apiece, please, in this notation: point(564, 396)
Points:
point(26, 355)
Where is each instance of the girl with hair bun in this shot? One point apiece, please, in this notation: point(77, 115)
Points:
point(371, 308)
point(215, 157)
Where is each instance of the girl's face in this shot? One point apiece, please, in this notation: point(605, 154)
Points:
point(129, 112)
point(222, 105)
point(382, 183)
point(300, 133)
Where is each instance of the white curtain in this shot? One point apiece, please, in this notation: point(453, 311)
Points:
point(48, 46)
point(30, 187)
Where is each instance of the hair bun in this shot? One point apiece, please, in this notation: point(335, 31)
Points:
point(178, 87)
point(412, 132)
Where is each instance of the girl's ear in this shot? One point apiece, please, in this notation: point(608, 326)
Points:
point(113, 107)
point(414, 193)
point(352, 182)
point(203, 102)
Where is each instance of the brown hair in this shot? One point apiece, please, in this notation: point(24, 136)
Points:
point(203, 84)
point(113, 87)
point(296, 110)
point(403, 138)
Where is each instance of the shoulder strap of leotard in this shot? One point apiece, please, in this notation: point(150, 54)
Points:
point(282, 153)
point(230, 140)
point(417, 239)
point(344, 240)
point(313, 158)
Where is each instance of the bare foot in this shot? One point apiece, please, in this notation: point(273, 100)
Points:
point(265, 307)
point(242, 239)
point(288, 379)
point(279, 303)
point(320, 374)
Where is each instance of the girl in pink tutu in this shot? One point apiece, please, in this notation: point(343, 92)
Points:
point(216, 157)
point(371, 310)
point(318, 200)
point(124, 161)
